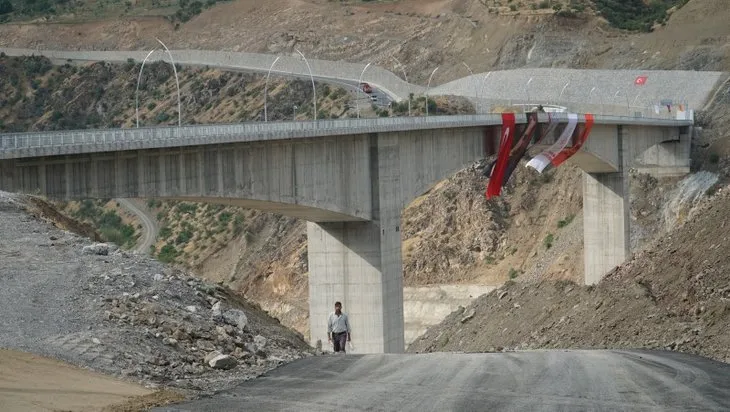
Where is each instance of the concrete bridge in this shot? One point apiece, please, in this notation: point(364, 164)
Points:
point(350, 179)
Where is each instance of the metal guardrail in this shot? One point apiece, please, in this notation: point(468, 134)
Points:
point(32, 144)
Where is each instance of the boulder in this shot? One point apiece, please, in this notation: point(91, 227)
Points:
point(101, 249)
point(235, 317)
point(216, 314)
point(223, 362)
point(211, 355)
point(259, 341)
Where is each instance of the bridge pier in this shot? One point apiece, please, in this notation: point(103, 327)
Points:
point(358, 264)
point(606, 234)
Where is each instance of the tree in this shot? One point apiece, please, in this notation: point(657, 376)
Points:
point(5, 7)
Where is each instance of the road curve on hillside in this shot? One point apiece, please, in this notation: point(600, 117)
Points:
point(564, 380)
point(150, 228)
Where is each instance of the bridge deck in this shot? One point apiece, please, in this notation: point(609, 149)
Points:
point(35, 144)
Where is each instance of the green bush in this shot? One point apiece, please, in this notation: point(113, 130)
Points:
point(165, 232)
point(548, 241)
point(167, 254)
point(565, 222)
point(6, 7)
point(636, 15)
point(224, 218)
point(184, 237)
point(185, 207)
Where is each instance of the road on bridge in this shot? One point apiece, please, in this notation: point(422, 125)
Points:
point(564, 380)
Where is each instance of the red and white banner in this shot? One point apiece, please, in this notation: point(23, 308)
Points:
point(565, 154)
point(541, 161)
point(505, 145)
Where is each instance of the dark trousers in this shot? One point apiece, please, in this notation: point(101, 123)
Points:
point(339, 340)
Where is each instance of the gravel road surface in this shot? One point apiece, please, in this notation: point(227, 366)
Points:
point(517, 381)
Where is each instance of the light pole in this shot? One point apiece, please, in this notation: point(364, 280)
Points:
point(527, 90)
point(266, 88)
point(627, 100)
point(471, 79)
point(484, 82)
point(562, 91)
point(314, 90)
point(359, 88)
point(177, 82)
point(633, 102)
point(139, 79)
point(603, 103)
point(428, 87)
point(406, 79)
point(295, 112)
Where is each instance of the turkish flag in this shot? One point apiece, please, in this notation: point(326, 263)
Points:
point(640, 81)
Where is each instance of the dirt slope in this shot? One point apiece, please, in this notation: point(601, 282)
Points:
point(674, 295)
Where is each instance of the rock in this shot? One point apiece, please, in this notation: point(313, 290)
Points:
point(158, 277)
point(223, 362)
point(468, 316)
point(191, 308)
point(235, 317)
point(101, 249)
point(259, 341)
point(96, 341)
point(211, 355)
point(216, 312)
point(502, 294)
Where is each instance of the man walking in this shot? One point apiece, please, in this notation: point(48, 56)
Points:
point(338, 328)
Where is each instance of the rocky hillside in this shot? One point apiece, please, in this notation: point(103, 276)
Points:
point(36, 95)
point(485, 34)
point(673, 295)
point(125, 314)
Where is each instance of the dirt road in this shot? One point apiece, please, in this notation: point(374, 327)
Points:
point(149, 223)
point(520, 381)
point(33, 383)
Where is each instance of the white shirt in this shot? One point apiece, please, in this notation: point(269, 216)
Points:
point(338, 324)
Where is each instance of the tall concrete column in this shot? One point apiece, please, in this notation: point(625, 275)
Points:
point(606, 218)
point(359, 263)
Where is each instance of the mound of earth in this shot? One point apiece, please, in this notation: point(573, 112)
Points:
point(127, 315)
point(673, 295)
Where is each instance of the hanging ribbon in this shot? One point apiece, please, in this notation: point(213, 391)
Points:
point(508, 130)
point(519, 150)
point(565, 154)
point(541, 161)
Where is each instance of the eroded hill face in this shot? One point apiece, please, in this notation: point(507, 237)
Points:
point(673, 295)
point(420, 34)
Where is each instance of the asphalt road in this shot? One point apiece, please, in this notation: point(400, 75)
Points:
point(569, 380)
point(149, 225)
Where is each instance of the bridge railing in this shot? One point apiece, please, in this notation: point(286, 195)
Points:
point(14, 145)
point(237, 131)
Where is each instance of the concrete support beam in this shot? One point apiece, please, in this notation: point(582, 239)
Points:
point(605, 223)
point(359, 263)
point(346, 264)
point(606, 219)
